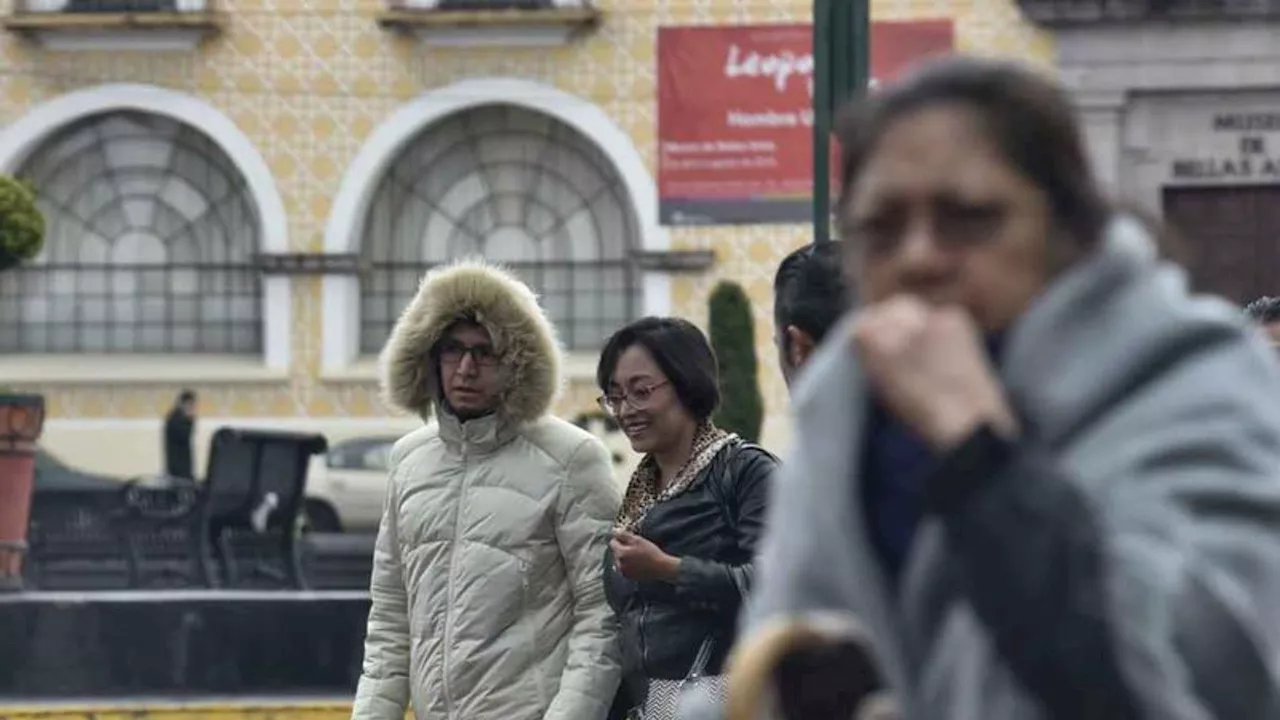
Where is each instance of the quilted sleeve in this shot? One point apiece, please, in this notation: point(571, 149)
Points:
point(589, 500)
point(383, 691)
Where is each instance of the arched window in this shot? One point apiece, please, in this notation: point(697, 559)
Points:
point(151, 234)
point(519, 188)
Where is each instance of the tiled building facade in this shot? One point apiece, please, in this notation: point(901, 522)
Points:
point(287, 123)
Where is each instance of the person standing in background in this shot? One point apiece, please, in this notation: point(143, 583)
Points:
point(810, 294)
point(826, 675)
point(179, 428)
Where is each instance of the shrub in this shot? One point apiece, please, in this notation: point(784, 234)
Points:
point(733, 339)
point(21, 224)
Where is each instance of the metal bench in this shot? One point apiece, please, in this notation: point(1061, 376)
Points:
point(75, 540)
point(256, 491)
point(237, 528)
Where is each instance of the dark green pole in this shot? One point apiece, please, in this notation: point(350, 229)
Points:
point(841, 69)
point(822, 100)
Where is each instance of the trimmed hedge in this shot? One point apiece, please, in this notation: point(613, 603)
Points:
point(733, 339)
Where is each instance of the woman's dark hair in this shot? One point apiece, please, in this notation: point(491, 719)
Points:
point(1027, 116)
point(681, 352)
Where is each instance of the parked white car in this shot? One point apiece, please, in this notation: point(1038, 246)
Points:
point(346, 486)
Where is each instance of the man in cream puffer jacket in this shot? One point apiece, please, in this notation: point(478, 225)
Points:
point(487, 600)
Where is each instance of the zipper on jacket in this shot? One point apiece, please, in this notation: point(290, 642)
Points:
point(453, 573)
point(644, 646)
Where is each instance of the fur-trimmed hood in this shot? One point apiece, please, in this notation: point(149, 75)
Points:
point(524, 338)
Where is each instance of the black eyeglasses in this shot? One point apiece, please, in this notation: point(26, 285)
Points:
point(637, 397)
point(451, 352)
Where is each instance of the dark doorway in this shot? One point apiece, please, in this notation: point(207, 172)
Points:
point(1230, 238)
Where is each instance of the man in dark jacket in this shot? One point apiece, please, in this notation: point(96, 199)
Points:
point(179, 426)
point(830, 676)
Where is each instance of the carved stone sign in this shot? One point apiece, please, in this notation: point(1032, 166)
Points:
point(1249, 151)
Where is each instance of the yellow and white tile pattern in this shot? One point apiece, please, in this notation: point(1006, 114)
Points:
point(308, 80)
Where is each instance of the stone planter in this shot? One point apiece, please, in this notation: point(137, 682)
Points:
point(21, 422)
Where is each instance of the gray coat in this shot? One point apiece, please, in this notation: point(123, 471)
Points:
point(1122, 561)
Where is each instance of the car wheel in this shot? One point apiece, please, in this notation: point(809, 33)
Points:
point(320, 517)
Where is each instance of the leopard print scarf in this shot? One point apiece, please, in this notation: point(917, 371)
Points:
point(642, 490)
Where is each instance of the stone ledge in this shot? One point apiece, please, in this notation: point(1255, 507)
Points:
point(144, 31)
point(49, 370)
point(548, 27)
point(1072, 13)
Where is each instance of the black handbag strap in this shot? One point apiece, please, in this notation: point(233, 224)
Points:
point(705, 650)
point(730, 453)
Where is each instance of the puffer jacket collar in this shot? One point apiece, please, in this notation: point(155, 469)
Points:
point(480, 436)
point(524, 338)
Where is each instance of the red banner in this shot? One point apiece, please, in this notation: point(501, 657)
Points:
point(735, 115)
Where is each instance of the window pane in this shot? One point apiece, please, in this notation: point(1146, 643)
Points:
point(152, 338)
point(93, 337)
point(37, 338)
point(123, 338)
point(184, 339)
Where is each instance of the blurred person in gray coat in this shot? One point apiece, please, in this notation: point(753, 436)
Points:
point(1034, 470)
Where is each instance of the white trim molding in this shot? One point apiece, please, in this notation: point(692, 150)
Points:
point(340, 344)
point(25, 136)
point(438, 26)
point(435, 4)
point(69, 370)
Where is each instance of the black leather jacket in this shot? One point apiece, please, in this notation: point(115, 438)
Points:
point(713, 528)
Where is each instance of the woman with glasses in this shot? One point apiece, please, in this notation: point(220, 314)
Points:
point(679, 564)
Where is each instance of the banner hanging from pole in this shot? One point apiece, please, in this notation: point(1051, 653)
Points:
point(735, 116)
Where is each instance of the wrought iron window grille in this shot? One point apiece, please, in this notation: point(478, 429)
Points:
point(520, 189)
point(151, 241)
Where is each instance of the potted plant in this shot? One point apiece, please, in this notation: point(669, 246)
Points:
point(733, 338)
point(21, 414)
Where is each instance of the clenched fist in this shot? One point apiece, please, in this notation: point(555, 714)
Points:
point(930, 368)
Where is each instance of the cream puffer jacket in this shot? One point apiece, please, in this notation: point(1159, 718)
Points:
point(487, 595)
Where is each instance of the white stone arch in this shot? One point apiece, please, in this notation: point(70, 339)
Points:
point(341, 294)
point(26, 135)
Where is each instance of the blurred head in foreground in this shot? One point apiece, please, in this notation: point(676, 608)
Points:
point(966, 183)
